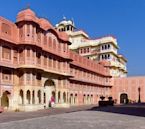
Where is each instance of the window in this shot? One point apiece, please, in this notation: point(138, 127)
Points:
point(88, 49)
point(38, 58)
point(108, 56)
point(108, 46)
point(84, 50)
point(6, 75)
point(102, 56)
point(102, 47)
point(15, 56)
point(6, 52)
point(21, 32)
point(81, 51)
point(28, 30)
point(105, 46)
point(67, 27)
point(28, 52)
point(54, 43)
point(45, 40)
point(50, 42)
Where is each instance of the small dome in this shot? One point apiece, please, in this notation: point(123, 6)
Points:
point(27, 11)
point(63, 22)
point(70, 22)
point(26, 14)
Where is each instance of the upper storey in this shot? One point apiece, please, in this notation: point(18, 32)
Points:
point(31, 30)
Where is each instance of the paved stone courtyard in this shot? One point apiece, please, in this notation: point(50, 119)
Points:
point(79, 120)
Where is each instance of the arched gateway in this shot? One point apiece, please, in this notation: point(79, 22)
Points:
point(5, 99)
point(123, 98)
point(49, 93)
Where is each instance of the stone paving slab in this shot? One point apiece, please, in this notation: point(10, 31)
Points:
point(14, 116)
point(79, 120)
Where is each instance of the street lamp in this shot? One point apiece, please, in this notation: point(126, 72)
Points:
point(139, 89)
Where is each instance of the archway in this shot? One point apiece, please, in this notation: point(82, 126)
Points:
point(59, 97)
point(39, 97)
point(123, 98)
point(50, 94)
point(92, 99)
point(5, 99)
point(71, 99)
point(84, 99)
point(21, 97)
point(28, 96)
point(64, 97)
point(33, 97)
point(76, 99)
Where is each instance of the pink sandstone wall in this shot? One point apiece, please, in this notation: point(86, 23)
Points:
point(129, 85)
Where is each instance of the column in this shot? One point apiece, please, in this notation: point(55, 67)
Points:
point(24, 97)
point(31, 97)
point(61, 97)
point(42, 97)
point(56, 96)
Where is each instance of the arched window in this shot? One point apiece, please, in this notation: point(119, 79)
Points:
point(50, 42)
point(28, 96)
point(105, 56)
point(67, 27)
point(102, 56)
point(28, 52)
point(105, 46)
point(54, 44)
point(84, 50)
point(45, 40)
point(88, 49)
point(108, 46)
point(108, 56)
point(28, 30)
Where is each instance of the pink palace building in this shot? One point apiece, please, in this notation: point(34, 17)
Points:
point(38, 70)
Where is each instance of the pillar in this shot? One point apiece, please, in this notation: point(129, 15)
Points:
point(24, 97)
point(42, 97)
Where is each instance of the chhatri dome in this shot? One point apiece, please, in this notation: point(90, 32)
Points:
point(65, 25)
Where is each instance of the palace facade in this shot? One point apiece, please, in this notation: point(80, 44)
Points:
point(37, 68)
point(43, 66)
point(99, 49)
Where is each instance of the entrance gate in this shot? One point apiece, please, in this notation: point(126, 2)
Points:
point(123, 98)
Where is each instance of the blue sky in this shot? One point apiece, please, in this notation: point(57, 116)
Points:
point(125, 19)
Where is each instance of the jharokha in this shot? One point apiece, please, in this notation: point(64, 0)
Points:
point(42, 65)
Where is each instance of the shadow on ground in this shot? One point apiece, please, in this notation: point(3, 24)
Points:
point(128, 109)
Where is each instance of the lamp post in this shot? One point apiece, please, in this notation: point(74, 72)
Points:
point(139, 89)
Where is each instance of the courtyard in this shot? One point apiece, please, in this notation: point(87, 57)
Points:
point(87, 118)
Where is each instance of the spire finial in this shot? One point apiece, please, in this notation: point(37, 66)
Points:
point(64, 18)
